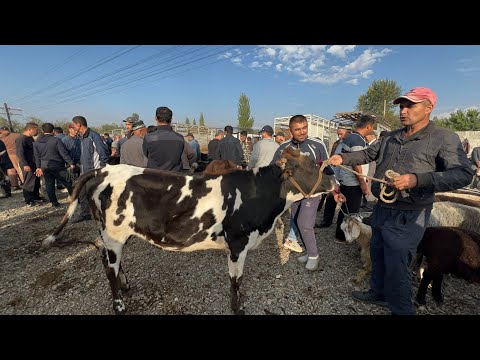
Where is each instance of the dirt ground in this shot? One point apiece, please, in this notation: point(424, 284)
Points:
point(71, 279)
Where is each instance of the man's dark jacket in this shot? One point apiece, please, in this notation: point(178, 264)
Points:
point(435, 155)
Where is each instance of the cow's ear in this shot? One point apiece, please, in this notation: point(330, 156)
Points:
point(281, 163)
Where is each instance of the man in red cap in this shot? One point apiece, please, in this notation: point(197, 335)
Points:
point(428, 159)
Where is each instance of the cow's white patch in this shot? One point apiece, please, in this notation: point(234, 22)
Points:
point(169, 187)
point(291, 197)
point(185, 190)
point(238, 200)
point(255, 171)
point(229, 196)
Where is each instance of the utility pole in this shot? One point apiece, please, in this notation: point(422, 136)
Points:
point(7, 111)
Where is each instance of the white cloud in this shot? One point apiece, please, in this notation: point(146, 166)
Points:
point(366, 74)
point(237, 60)
point(225, 56)
point(319, 63)
point(340, 50)
point(367, 59)
point(270, 51)
point(469, 69)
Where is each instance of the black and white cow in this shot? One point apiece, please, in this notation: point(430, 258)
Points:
point(233, 211)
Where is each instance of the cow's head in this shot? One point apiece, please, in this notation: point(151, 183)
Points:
point(304, 171)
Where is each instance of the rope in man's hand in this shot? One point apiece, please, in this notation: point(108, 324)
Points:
point(386, 197)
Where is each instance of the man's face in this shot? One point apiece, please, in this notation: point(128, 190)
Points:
point(342, 133)
point(279, 139)
point(243, 138)
point(76, 127)
point(189, 138)
point(128, 125)
point(413, 113)
point(72, 132)
point(220, 136)
point(34, 131)
point(299, 131)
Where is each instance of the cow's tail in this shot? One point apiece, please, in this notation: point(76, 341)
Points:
point(82, 180)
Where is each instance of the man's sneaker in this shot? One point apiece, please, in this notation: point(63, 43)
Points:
point(303, 259)
point(293, 245)
point(31, 204)
point(369, 297)
point(312, 263)
point(57, 204)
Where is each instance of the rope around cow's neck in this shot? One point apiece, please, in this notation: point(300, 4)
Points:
point(319, 179)
point(389, 174)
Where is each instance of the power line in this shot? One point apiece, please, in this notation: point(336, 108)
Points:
point(137, 79)
point(115, 72)
point(82, 71)
point(152, 73)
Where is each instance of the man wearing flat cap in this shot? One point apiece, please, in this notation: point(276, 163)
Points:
point(428, 159)
point(132, 150)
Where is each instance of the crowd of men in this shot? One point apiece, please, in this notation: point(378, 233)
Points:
point(428, 158)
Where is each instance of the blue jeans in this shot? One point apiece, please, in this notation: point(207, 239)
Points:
point(395, 238)
point(294, 234)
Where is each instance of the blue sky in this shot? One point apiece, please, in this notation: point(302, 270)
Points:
point(108, 83)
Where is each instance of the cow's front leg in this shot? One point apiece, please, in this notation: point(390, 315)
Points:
point(235, 270)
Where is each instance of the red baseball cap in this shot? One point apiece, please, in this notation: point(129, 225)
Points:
point(417, 95)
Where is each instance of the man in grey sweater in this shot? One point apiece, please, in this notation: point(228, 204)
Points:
point(264, 149)
point(132, 149)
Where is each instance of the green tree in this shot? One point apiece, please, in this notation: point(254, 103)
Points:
point(106, 128)
point(17, 126)
point(245, 121)
point(379, 96)
point(136, 116)
point(187, 121)
point(194, 122)
point(33, 119)
point(63, 124)
point(201, 122)
point(468, 120)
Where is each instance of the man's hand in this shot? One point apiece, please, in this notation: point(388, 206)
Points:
point(27, 168)
point(339, 197)
point(38, 172)
point(335, 160)
point(403, 182)
point(364, 187)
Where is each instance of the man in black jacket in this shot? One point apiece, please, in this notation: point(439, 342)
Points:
point(164, 147)
point(428, 159)
point(24, 145)
point(230, 148)
point(50, 158)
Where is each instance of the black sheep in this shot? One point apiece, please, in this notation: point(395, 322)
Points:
point(448, 250)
